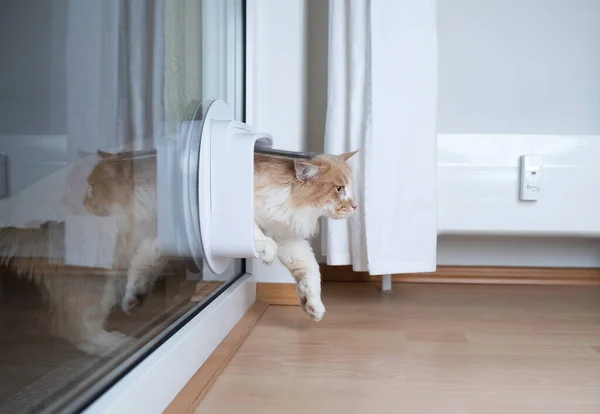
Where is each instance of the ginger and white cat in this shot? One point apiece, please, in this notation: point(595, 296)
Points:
point(290, 196)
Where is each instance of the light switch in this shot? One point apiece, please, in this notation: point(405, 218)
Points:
point(531, 177)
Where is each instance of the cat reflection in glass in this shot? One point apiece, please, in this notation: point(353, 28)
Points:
point(82, 297)
point(125, 189)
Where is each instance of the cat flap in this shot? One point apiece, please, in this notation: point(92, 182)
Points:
point(206, 187)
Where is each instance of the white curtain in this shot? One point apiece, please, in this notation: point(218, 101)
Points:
point(115, 74)
point(115, 82)
point(115, 62)
point(382, 100)
point(115, 100)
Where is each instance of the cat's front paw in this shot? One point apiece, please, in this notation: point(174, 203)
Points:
point(314, 308)
point(132, 301)
point(267, 249)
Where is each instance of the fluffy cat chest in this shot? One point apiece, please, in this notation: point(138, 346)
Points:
point(287, 223)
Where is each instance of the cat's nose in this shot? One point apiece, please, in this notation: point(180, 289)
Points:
point(354, 207)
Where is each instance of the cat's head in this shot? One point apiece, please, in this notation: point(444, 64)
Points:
point(326, 184)
point(109, 185)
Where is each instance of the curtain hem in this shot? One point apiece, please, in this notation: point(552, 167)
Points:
point(392, 268)
point(385, 269)
point(342, 259)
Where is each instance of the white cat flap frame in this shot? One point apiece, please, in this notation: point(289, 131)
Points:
point(206, 182)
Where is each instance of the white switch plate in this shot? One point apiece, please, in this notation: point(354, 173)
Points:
point(531, 177)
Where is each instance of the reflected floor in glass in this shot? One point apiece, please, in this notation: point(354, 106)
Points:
point(37, 366)
point(85, 298)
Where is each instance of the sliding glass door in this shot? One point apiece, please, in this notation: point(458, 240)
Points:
point(88, 90)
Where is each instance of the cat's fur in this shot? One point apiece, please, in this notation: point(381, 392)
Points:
point(81, 299)
point(125, 188)
point(290, 196)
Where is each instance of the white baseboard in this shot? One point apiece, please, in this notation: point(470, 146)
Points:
point(471, 250)
point(518, 251)
point(154, 383)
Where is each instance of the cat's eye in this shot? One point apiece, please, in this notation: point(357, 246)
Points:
point(339, 188)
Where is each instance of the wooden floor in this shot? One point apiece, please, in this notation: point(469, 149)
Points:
point(443, 349)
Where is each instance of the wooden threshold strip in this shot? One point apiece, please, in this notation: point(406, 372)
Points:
point(198, 386)
point(278, 294)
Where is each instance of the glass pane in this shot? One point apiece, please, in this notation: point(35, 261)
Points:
point(88, 89)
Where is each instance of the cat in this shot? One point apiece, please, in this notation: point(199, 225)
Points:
point(125, 188)
point(290, 196)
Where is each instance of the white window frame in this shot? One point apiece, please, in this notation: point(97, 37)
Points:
point(155, 382)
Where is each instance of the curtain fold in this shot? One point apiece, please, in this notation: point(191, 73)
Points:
point(115, 95)
point(115, 58)
point(115, 74)
point(141, 49)
point(382, 100)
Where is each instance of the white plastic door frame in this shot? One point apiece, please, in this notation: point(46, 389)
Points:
point(152, 385)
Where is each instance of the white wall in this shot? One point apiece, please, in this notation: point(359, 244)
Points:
point(507, 67)
point(279, 71)
point(32, 90)
point(519, 66)
point(32, 63)
point(31, 158)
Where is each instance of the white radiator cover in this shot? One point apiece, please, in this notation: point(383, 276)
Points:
point(479, 185)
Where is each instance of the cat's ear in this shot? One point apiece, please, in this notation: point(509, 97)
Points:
point(104, 155)
point(306, 170)
point(348, 155)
